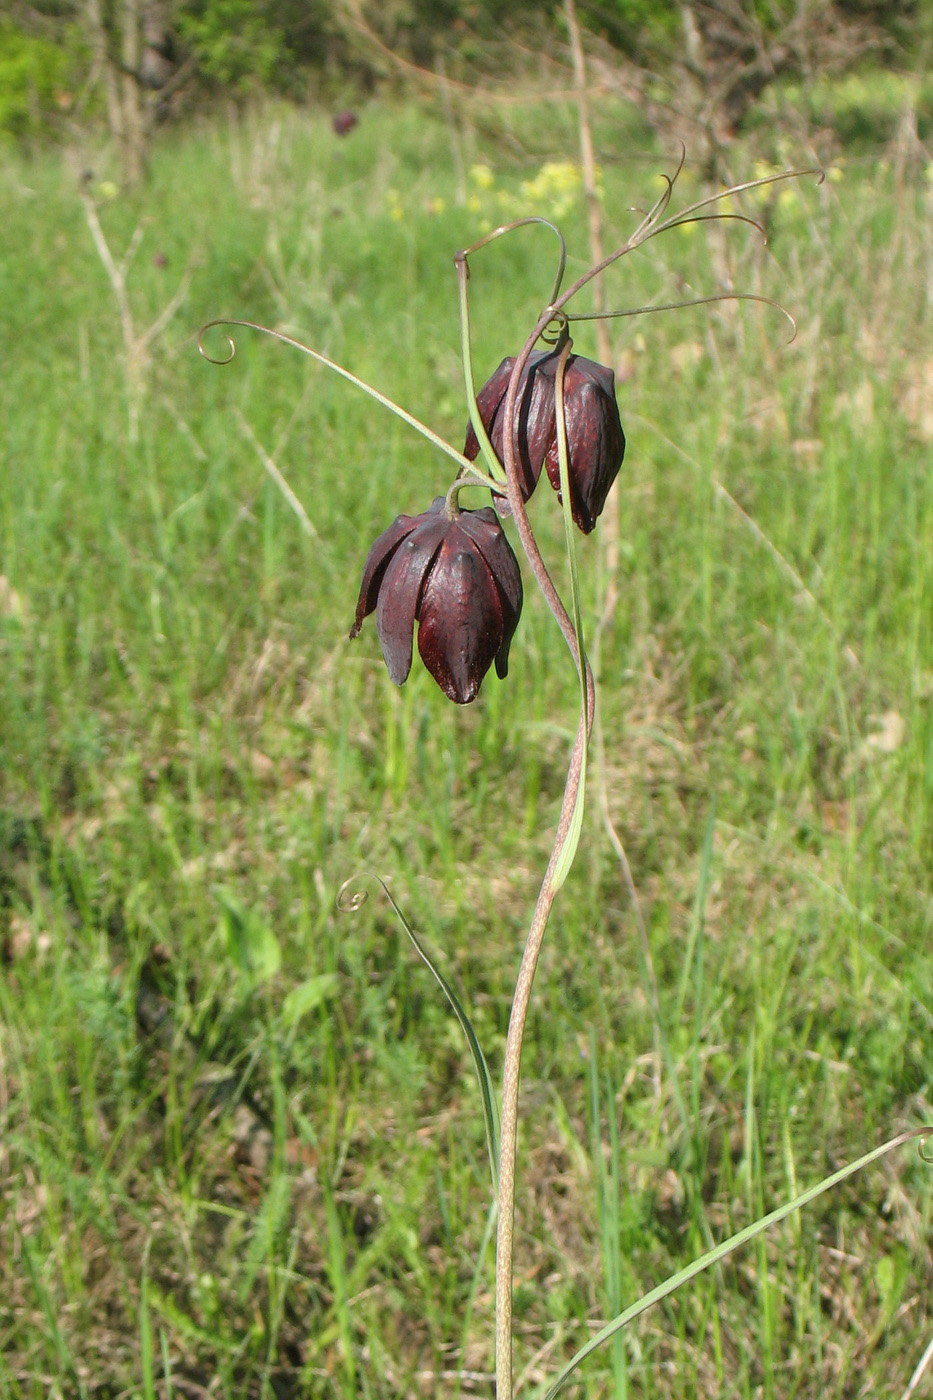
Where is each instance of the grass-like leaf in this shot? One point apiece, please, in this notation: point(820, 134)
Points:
point(721, 1251)
point(487, 1093)
point(572, 839)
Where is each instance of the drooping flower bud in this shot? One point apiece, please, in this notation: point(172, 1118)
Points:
point(455, 575)
point(595, 440)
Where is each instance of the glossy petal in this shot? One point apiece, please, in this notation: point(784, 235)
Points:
point(400, 592)
point(377, 561)
point(460, 629)
point(535, 410)
point(595, 440)
point(489, 400)
point(484, 529)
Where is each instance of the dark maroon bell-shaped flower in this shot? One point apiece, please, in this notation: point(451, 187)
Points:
point(344, 122)
point(595, 440)
point(454, 573)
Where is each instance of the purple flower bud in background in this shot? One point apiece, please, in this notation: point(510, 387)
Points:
point(344, 122)
point(455, 575)
point(595, 440)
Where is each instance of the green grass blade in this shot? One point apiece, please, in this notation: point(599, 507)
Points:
point(146, 1366)
point(337, 1268)
point(479, 1270)
point(166, 1364)
point(55, 1339)
point(713, 1256)
point(699, 911)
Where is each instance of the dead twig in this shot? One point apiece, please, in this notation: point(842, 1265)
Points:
point(136, 343)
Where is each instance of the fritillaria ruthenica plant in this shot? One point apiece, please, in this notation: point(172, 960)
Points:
point(451, 573)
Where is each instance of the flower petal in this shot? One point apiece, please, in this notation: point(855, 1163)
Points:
point(537, 424)
point(595, 440)
point(460, 629)
point(534, 416)
point(400, 593)
point(377, 561)
point(484, 529)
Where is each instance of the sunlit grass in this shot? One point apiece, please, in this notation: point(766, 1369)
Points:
point(207, 1187)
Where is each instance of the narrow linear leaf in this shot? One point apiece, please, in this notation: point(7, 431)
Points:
point(504, 229)
point(390, 404)
point(713, 1256)
point(487, 1093)
point(492, 463)
point(572, 839)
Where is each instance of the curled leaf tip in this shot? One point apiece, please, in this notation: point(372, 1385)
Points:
point(350, 896)
point(213, 359)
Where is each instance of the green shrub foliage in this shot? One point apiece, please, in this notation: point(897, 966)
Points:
point(34, 81)
point(240, 46)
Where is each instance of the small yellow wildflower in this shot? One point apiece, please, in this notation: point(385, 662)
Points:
point(482, 176)
point(555, 186)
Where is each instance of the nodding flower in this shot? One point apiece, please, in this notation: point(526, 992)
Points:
point(454, 573)
point(595, 440)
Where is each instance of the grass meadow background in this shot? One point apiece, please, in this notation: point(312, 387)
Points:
point(240, 1141)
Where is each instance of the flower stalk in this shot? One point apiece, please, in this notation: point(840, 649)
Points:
point(561, 856)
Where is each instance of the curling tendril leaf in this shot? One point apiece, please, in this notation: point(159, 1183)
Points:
point(212, 359)
point(680, 305)
point(510, 228)
point(354, 902)
point(383, 399)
